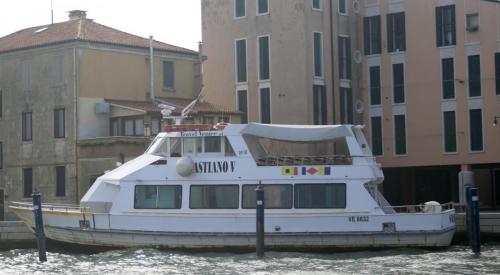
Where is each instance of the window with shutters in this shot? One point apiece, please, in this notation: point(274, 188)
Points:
point(376, 134)
point(476, 129)
point(372, 34)
point(319, 108)
point(242, 105)
point(264, 72)
point(375, 98)
point(448, 78)
point(241, 60)
point(474, 66)
point(59, 123)
point(318, 54)
point(400, 134)
point(497, 76)
point(398, 79)
point(396, 32)
point(445, 26)
point(346, 115)
point(265, 105)
point(450, 132)
point(344, 57)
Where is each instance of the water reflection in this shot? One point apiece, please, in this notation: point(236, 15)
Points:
point(455, 260)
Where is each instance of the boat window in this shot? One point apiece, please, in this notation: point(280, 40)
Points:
point(214, 197)
point(332, 195)
point(158, 197)
point(228, 148)
point(159, 147)
point(212, 145)
point(191, 146)
point(276, 196)
point(175, 147)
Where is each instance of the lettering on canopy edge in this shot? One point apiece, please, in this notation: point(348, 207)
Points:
point(306, 171)
point(214, 167)
point(202, 134)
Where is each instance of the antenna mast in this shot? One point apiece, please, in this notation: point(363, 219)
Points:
point(51, 12)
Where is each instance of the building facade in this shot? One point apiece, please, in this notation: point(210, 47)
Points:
point(75, 99)
point(423, 76)
point(430, 81)
point(283, 61)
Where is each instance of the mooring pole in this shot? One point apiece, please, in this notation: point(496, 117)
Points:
point(475, 234)
point(40, 235)
point(259, 246)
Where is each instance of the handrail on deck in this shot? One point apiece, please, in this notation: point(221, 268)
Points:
point(306, 160)
point(53, 207)
point(419, 208)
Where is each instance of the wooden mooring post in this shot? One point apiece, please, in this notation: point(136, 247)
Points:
point(40, 235)
point(259, 245)
point(473, 225)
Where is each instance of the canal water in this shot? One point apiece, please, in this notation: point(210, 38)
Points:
point(454, 260)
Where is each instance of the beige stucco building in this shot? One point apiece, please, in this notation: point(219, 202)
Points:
point(282, 61)
point(424, 79)
point(75, 99)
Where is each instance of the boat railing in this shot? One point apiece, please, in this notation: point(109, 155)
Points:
point(305, 160)
point(421, 208)
point(52, 207)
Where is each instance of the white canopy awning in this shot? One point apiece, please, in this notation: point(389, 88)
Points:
point(297, 133)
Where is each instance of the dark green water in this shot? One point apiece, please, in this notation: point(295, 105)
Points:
point(455, 260)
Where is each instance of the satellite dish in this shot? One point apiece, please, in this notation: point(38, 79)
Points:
point(357, 56)
point(359, 106)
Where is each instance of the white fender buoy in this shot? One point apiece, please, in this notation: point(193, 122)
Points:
point(432, 207)
point(184, 166)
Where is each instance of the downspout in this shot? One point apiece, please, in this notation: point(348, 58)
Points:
point(75, 124)
point(151, 70)
point(332, 63)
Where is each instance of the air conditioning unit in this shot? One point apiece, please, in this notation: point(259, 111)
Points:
point(472, 22)
point(102, 108)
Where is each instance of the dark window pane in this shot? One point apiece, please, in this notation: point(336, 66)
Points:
point(448, 78)
point(239, 8)
point(476, 129)
point(1, 155)
point(399, 83)
point(317, 4)
point(318, 54)
point(214, 197)
point(396, 32)
point(59, 123)
point(375, 98)
point(344, 57)
point(342, 6)
point(60, 181)
point(497, 73)
point(346, 116)
point(320, 195)
point(275, 196)
point(265, 105)
point(263, 6)
point(27, 182)
point(372, 35)
point(376, 133)
point(242, 106)
point(319, 107)
point(450, 132)
point(445, 26)
point(1, 103)
point(27, 126)
point(168, 75)
point(474, 76)
point(264, 57)
point(241, 60)
point(400, 132)
point(158, 197)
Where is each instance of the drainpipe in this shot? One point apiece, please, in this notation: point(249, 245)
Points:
point(332, 63)
point(151, 70)
point(75, 122)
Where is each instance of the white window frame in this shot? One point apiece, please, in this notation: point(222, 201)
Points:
point(257, 8)
point(346, 7)
point(258, 57)
point(234, 10)
point(236, 60)
point(264, 86)
point(320, 8)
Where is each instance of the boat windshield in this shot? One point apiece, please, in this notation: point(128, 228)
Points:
point(159, 147)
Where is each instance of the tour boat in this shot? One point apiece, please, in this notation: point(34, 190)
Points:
point(194, 188)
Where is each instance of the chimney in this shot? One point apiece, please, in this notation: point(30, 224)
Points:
point(77, 15)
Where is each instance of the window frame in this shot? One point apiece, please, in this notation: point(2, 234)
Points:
point(497, 74)
point(245, 115)
point(265, 185)
point(441, 27)
point(57, 118)
point(346, 106)
point(445, 132)
point(261, 56)
point(346, 7)
point(238, 64)
point(261, 109)
point(319, 7)
point(27, 194)
point(374, 45)
point(235, 2)
point(445, 81)
point(345, 66)
point(214, 185)
point(393, 32)
point(257, 4)
point(60, 185)
point(372, 128)
point(396, 85)
point(373, 88)
point(318, 56)
point(25, 116)
point(165, 84)
point(405, 139)
point(1, 155)
point(477, 81)
point(320, 106)
point(471, 149)
point(178, 206)
point(295, 190)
